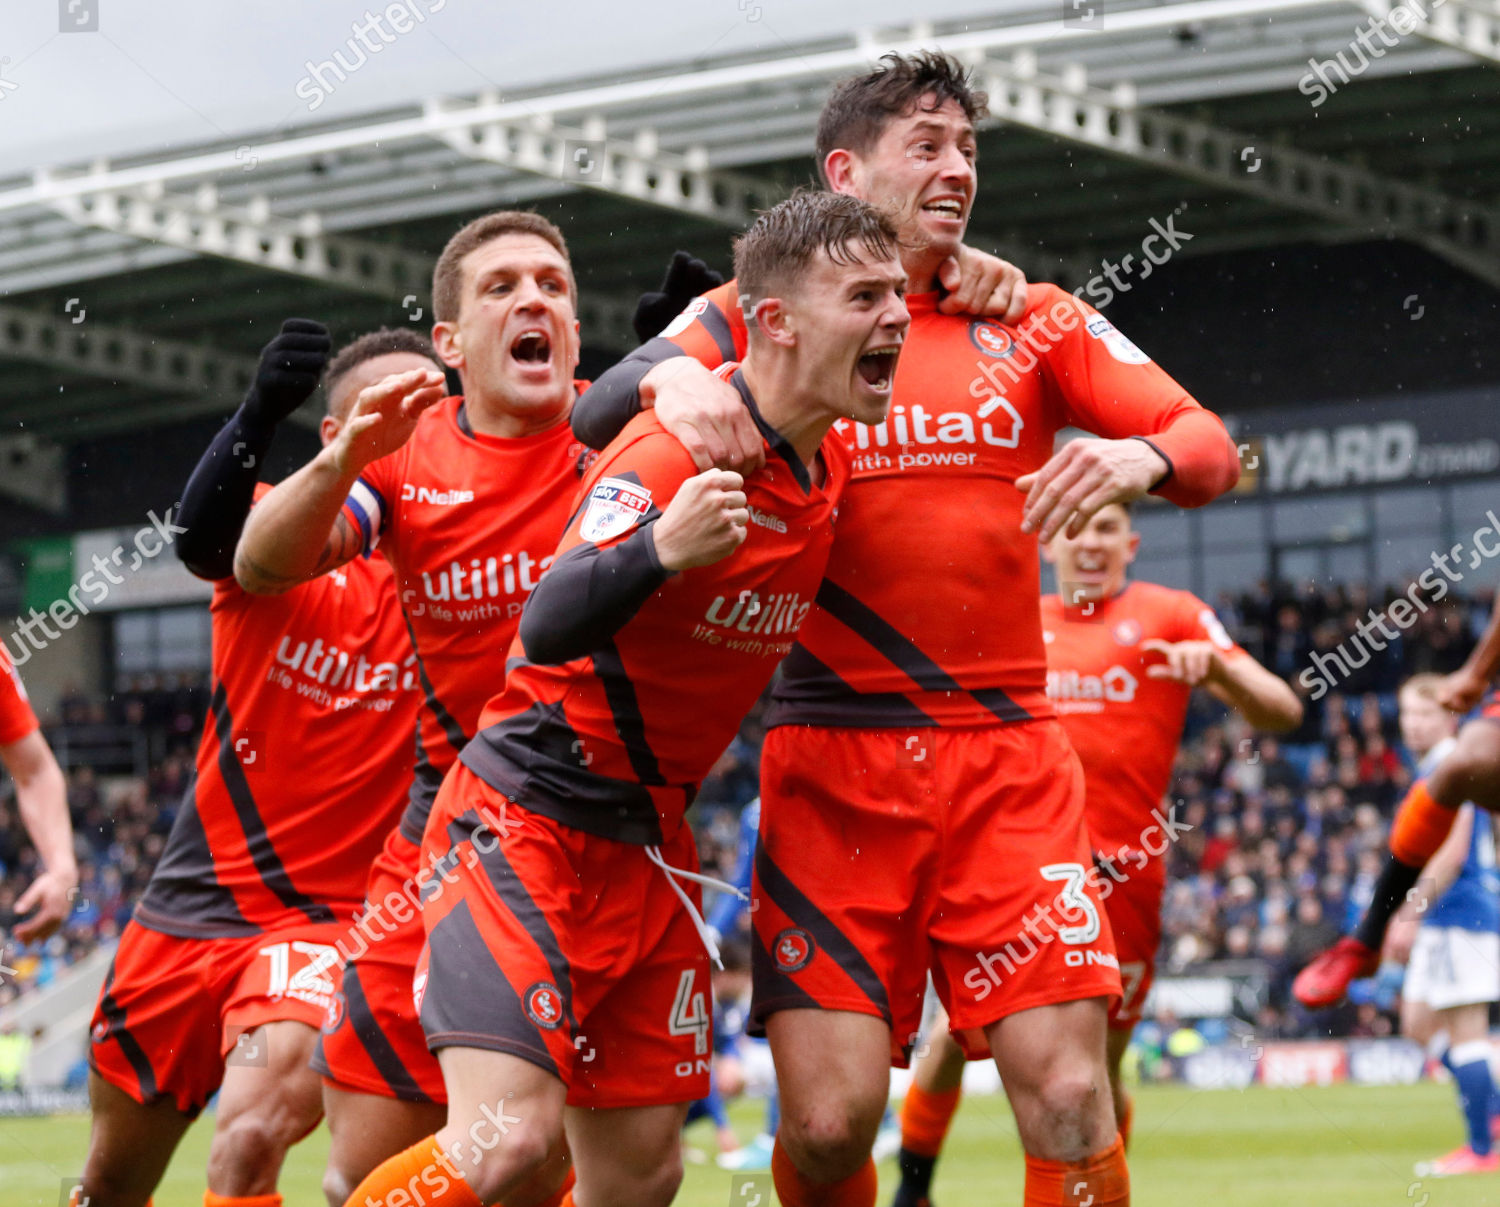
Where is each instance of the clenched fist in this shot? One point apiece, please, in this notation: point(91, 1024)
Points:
point(704, 523)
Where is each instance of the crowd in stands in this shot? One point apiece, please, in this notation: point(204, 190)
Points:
point(1287, 834)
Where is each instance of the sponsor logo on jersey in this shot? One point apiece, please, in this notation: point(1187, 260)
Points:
point(920, 426)
point(992, 339)
point(544, 1005)
point(326, 669)
point(484, 578)
point(440, 498)
point(1115, 686)
point(1115, 341)
point(764, 519)
point(793, 949)
point(1128, 632)
point(614, 506)
point(748, 612)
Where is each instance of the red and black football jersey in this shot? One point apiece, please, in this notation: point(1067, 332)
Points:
point(929, 612)
point(469, 522)
point(304, 760)
point(615, 741)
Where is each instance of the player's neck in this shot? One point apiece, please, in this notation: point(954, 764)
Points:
point(922, 266)
point(798, 416)
point(498, 418)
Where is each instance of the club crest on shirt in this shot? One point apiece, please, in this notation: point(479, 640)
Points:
point(1128, 632)
point(543, 1003)
point(614, 506)
point(793, 949)
point(991, 339)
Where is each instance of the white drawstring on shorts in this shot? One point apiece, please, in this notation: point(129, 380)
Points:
point(704, 933)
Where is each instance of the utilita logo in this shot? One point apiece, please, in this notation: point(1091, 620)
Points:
point(749, 613)
point(490, 578)
point(921, 426)
point(338, 671)
point(1075, 692)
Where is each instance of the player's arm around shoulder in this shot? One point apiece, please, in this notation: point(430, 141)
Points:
point(644, 514)
point(1206, 656)
point(300, 529)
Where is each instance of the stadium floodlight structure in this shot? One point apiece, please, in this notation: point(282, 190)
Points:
point(704, 143)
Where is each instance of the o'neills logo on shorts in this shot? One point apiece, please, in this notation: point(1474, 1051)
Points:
point(794, 948)
point(544, 1005)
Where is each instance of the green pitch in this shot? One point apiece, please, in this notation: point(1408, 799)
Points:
point(1343, 1146)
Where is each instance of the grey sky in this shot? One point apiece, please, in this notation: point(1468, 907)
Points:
point(159, 74)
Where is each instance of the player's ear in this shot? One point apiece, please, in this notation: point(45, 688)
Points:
point(1047, 555)
point(1134, 547)
point(839, 170)
point(328, 429)
point(445, 339)
point(775, 321)
point(575, 353)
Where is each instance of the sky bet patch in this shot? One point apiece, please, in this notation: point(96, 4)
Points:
point(614, 506)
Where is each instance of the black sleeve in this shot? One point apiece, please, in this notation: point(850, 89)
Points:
point(589, 595)
point(615, 397)
point(218, 495)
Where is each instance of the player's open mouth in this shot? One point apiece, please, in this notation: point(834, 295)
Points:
point(532, 348)
point(947, 207)
point(878, 366)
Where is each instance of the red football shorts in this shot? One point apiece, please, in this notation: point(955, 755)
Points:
point(565, 949)
point(1134, 907)
point(373, 1043)
point(174, 1011)
point(887, 853)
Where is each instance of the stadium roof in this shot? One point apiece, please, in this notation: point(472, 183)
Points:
point(1106, 114)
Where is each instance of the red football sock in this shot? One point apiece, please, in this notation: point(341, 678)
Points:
point(925, 1116)
point(423, 1165)
point(1100, 1181)
point(1422, 823)
point(210, 1199)
point(794, 1190)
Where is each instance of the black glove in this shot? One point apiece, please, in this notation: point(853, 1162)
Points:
point(686, 278)
point(289, 369)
